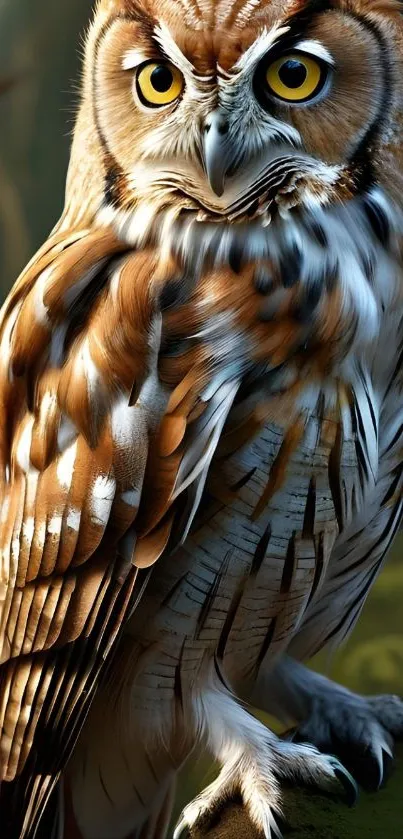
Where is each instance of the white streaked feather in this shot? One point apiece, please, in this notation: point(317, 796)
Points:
point(101, 497)
point(313, 47)
point(65, 466)
point(133, 58)
point(23, 453)
point(170, 48)
point(264, 42)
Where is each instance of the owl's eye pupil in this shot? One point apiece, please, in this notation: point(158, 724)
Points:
point(293, 73)
point(161, 79)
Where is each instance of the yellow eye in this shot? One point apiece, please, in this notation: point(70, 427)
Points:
point(295, 77)
point(159, 83)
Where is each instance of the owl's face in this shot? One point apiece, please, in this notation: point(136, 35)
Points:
point(238, 109)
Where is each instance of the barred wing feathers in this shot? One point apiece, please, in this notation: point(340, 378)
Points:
point(105, 444)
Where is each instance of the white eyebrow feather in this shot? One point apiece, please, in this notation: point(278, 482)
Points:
point(267, 39)
point(315, 48)
point(170, 48)
point(133, 58)
point(264, 42)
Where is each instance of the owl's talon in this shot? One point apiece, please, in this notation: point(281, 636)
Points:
point(359, 730)
point(347, 781)
point(383, 758)
point(257, 776)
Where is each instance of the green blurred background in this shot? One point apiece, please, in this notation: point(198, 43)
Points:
point(40, 51)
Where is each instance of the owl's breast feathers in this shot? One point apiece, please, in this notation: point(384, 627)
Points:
point(118, 375)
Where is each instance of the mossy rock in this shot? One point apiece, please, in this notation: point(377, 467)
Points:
point(309, 815)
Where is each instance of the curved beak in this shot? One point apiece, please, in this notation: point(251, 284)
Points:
point(216, 151)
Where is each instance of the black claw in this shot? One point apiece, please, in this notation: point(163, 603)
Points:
point(377, 219)
point(388, 764)
point(350, 787)
point(361, 761)
point(369, 771)
point(263, 280)
point(290, 266)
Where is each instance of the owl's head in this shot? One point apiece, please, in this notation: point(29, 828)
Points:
point(236, 109)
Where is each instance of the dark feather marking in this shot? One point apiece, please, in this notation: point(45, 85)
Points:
point(173, 293)
point(178, 680)
point(362, 156)
point(359, 602)
point(374, 547)
point(377, 219)
point(243, 481)
point(231, 615)
point(260, 552)
point(112, 186)
point(267, 641)
point(364, 471)
point(369, 400)
point(393, 487)
point(308, 528)
point(289, 567)
point(173, 590)
point(319, 565)
point(397, 373)
point(211, 594)
point(334, 477)
point(174, 347)
point(355, 608)
point(220, 674)
point(134, 394)
point(395, 440)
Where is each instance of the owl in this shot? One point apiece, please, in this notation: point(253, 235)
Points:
point(201, 397)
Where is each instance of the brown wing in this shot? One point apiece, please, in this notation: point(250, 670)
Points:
point(73, 454)
point(117, 375)
point(81, 399)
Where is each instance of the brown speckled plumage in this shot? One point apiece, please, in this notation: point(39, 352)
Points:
point(201, 369)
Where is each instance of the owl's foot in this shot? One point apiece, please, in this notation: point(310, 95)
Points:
point(360, 730)
point(257, 775)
